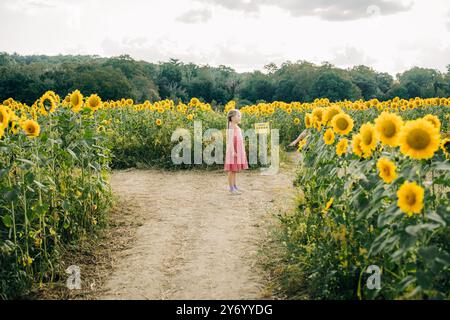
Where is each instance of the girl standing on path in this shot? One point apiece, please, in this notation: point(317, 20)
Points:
point(235, 157)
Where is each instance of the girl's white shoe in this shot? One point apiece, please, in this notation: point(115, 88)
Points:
point(234, 192)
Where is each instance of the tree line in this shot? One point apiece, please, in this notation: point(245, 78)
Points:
point(25, 78)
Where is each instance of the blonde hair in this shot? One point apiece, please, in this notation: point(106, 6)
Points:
point(231, 114)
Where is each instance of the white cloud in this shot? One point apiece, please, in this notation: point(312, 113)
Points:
point(195, 16)
point(351, 56)
point(325, 9)
point(243, 35)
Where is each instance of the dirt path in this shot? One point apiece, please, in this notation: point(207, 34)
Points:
point(196, 241)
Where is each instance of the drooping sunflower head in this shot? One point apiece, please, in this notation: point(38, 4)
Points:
point(317, 123)
point(369, 138)
point(47, 103)
point(388, 126)
point(4, 116)
point(31, 128)
point(328, 136)
point(445, 146)
point(94, 102)
point(387, 170)
point(356, 145)
point(76, 100)
point(419, 139)
point(308, 120)
point(342, 124)
point(14, 129)
point(341, 147)
point(410, 198)
point(330, 112)
point(433, 120)
point(318, 113)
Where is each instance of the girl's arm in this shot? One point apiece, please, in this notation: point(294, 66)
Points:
point(230, 141)
point(301, 136)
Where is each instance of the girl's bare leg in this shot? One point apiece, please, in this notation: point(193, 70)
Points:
point(234, 178)
point(230, 179)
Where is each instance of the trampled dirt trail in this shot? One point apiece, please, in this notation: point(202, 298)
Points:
point(196, 241)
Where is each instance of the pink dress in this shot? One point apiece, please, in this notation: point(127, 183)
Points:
point(239, 162)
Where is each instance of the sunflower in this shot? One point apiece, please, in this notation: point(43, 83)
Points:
point(356, 145)
point(331, 112)
point(317, 123)
point(410, 198)
point(342, 124)
point(419, 139)
point(31, 128)
point(328, 137)
point(445, 146)
point(94, 102)
point(4, 116)
point(158, 122)
point(14, 129)
point(76, 100)
point(319, 114)
point(341, 147)
point(368, 138)
point(388, 127)
point(190, 116)
point(433, 120)
point(296, 121)
point(301, 145)
point(387, 170)
point(2, 130)
point(308, 120)
point(47, 103)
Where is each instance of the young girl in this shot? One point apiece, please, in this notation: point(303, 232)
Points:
point(235, 157)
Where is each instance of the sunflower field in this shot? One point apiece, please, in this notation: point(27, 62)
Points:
point(374, 185)
point(374, 179)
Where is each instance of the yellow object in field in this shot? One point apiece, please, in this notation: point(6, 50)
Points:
point(262, 127)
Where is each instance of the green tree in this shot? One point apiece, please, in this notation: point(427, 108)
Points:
point(334, 86)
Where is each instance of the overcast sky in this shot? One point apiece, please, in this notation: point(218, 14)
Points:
point(390, 36)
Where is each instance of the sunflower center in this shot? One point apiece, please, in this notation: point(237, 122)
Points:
point(389, 129)
point(75, 100)
point(446, 145)
point(342, 124)
point(94, 103)
point(31, 129)
point(418, 139)
point(367, 138)
point(47, 105)
point(386, 171)
point(410, 198)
